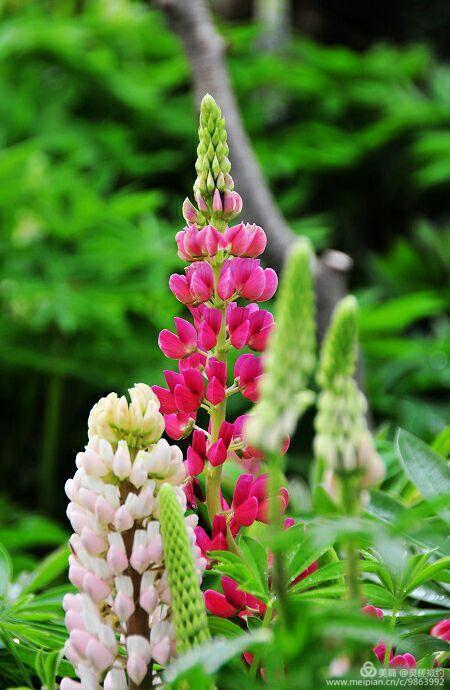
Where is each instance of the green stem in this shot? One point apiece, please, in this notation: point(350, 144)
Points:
point(387, 653)
point(257, 657)
point(279, 580)
point(350, 507)
point(214, 474)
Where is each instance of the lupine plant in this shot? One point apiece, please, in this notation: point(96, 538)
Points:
point(159, 540)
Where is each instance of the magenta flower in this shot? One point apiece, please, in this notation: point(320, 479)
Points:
point(247, 373)
point(245, 240)
point(195, 361)
point(217, 452)
point(178, 425)
point(180, 345)
point(249, 326)
point(166, 397)
point(216, 373)
point(232, 204)
point(194, 244)
point(442, 630)
point(395, 661)
point(193, 492)
point(188, 394)
point(196, 454)
point(207, 321)
point(233, 601)
point(372, 611)
point(218, 541)
point(196, 286)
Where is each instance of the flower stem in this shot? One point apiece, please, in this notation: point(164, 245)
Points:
point(214, 474)
point(350, 507)
point(257, 657)
point(279, 580)
point(387, 653)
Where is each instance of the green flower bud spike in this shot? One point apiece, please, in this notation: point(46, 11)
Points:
point(213, 165)
point(338, 357)
point(290, 357)
point(217, 202)
point(343, 444)
point(188, 607)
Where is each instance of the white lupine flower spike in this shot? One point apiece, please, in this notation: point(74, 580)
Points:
point(120, 621)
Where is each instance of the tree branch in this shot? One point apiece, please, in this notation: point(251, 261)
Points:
point(205, 49)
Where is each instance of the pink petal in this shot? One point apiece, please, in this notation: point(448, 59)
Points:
point(199, 442)
point(202, 281)
point(203, 541)
point(225, 287)
point(189, 211)
point(245, 514)
point(372, 611)
point(166, 400)
point(217, 369)
point(239, 337)
point(179, 287)
point(186, 333)
point(172, 378)
point(178, 425)
point(442, 630)
point(226, 432)
point(215, 391)
point(194, 462)
point(255, 285)
point(217, 604)
point(171, 345)
point(217, 453)
point(193, 379)
point(271, 285)
point(258, 341)
point(185, 399)
point(259, 488)
point(258, 242)
point(242, 489)
point(207, 338)
point(235, 596)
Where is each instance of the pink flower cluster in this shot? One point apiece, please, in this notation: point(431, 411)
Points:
point(249, 503)
point(235, 601)
point(397, 660)
point(223, 269)
point(239, 277)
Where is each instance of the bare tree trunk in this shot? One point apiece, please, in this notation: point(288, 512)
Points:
point(205, 49)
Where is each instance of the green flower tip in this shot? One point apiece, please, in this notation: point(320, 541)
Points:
point(212, 166)
point(339, 350)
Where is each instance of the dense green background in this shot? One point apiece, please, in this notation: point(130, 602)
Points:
point(97, 134)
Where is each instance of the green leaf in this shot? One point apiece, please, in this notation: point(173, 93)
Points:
point(326, 573)
point(441, 443)
point(430, 572)
point(426, 469)
point(212, 655)
point(222, 627)
point(48, 569)
point(5, 570)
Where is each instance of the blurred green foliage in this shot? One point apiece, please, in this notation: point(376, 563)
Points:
point(97, 132)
